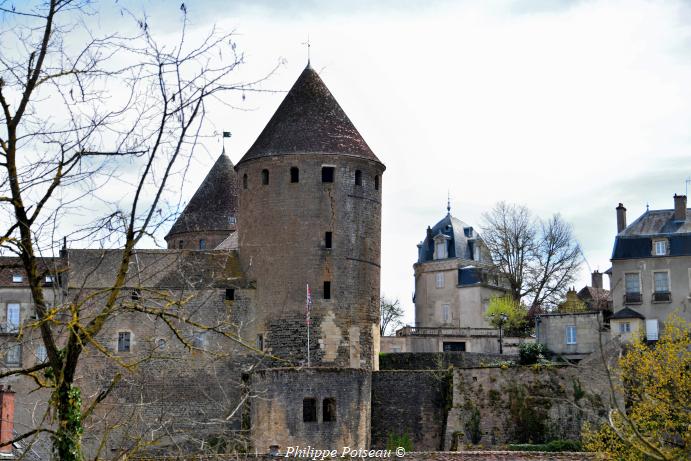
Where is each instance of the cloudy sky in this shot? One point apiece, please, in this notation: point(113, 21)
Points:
point(564, 106)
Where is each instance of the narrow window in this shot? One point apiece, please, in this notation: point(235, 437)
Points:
point(328, 174)
point(445, 313)
point(376, 182)
point(230, 294)
point(136, 294)
point(571, 334)
point(202, 244)
point(16, 278)
point(660, 248)
point(260, 342)
point(309, 410)
point(181, 244)
point(265, 177)
point(294, 174)
point(41, 354)
point(124, 341)
point(244, 181)
point(439, 279)
point(13, 310)
point(358, 178)
point(327, 290)
point(651, 329)
point(329, 410)
point(13, 357)
point(327, 240)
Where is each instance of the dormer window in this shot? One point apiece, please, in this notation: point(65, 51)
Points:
point(441, 246)
point(660, 247)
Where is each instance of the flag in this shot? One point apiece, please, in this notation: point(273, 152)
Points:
point(308, 305)
point(226, 134)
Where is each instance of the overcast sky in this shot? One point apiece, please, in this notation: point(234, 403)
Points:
point(563, 106)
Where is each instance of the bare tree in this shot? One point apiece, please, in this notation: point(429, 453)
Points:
point(391, 315)
point(539, 259)
point(95, 120)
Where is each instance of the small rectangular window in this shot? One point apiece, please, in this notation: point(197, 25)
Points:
point(294, 174)
point(244, 181)
point(265, 177)
point(202, 244)
point(230, 294)
point(571, 334)
point(625, 327)
point(49, 280)
point(13, 356)
point(260, 342)
point(181, 244)
point(439, 279)
point(376, 182)
point(124, 341)
point(13, 317)
point(328, 174)
point(358, 178)
point(327, 290)
point(660, 248)
point(651, 329)
point(327, 240)
point(16, 278)
point(41, 354)
point(309, 410)
point(329, 410)
point(446, 313)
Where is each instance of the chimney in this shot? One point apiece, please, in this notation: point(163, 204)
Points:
point(7, 415)
point(679, 207)
point(429, 232)
point(596, 279)
point(621, 218)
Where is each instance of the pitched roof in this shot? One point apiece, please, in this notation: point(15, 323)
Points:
point(309, 120)
point(627, 313)
point(657, 222)
point(214, 204)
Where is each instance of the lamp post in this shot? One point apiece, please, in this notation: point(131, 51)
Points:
point(502, 319)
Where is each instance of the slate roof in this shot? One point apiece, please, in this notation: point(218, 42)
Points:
point(214, 204)
point(461, 243)
point(308, 121)
point(173, 269)
point(627, 313)
point(636, 240)
point(657, 222)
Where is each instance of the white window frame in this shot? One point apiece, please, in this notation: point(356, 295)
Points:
point(17, 278)
point(669, 281)
point(439, 280)
point(440, 250)
point(658, 245)
point(571, 335)
point(639, 282)
point(651, 335)
point(14, 317)
point(625, 327)
point(41, 354)
point(446, 313)
point(15, 348)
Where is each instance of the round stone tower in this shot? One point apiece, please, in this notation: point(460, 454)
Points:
point(310, 214)
point(209, 217)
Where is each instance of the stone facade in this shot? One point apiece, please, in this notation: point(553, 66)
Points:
point(571, 335)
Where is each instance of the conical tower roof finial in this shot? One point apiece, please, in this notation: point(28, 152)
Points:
point(448, 202)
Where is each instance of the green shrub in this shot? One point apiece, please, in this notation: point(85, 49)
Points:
point(472, 427)
point(530, 353)
point(552, 446)
point(394, 441)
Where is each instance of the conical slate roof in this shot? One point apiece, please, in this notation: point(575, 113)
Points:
point(214, 204)
point(309, 120)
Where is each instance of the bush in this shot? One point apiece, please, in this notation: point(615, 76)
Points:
point(529, 353)
point(394, 441)
point(552, 446)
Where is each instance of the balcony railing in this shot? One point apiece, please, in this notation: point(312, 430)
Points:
point(633, 298)
point(446, 331)
point(662, 297)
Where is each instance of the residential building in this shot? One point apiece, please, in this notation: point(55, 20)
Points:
point(651, 269)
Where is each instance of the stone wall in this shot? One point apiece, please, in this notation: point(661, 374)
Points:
point(438, 360)
point(410, 404)
point(531, 404)
point(277, 413)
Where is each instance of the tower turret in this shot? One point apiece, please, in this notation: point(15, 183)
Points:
point(310, 213)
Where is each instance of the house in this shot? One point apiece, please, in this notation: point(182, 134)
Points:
point(651, 270)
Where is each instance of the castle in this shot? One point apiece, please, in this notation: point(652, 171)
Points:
point(279, 256)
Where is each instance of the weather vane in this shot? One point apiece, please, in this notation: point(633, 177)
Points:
point(448, 201)
point(308, 48)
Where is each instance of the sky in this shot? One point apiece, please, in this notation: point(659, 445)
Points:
point(566, 107)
